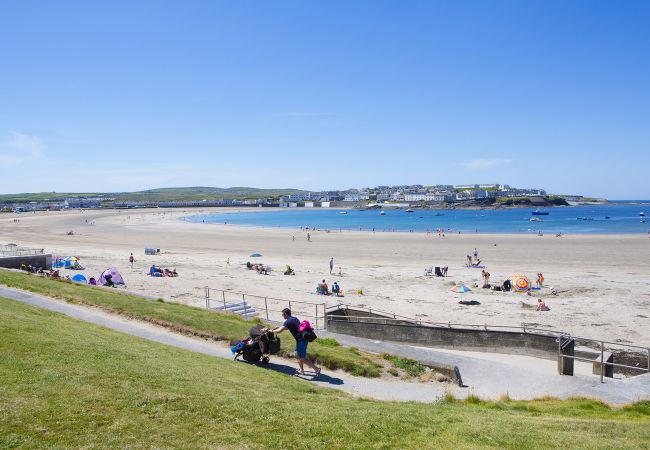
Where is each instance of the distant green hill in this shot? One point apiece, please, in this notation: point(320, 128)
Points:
point(162, 194)
point(47, 196)
point(203, 192)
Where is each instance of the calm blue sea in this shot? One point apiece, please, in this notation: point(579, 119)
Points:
point(623, 219)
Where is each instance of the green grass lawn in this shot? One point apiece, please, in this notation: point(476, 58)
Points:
point(68, 384)
point(189, 320)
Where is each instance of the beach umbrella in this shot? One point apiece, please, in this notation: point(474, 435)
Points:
point(520, 283)
point(256, 255)
point(460, 288)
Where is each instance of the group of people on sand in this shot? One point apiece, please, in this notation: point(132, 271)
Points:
point(37, 270)
point(323, 289)
point(162, 272)
point(55, 274)
point(260, 268)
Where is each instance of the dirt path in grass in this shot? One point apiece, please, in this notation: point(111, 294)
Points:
point(357, 386)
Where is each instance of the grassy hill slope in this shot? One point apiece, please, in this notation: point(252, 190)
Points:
point(164, 194)
point(65, 383)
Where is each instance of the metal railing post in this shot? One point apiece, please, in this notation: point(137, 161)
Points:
point(266, 307)
point(602, 360)
point(316, 315)
point(223, 294)
point(325, 326)
point(207, 297)
point(290, 306)
point(559, 355)
point(244, 299)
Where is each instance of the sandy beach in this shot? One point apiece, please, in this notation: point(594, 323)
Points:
point(603, 282)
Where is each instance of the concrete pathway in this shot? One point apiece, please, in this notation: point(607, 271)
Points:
point(357, 386)
point(487, 376)
point(492, 375)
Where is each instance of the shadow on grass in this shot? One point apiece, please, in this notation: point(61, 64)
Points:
point(322, 379)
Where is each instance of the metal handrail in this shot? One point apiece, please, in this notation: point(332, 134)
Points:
point(258, 296)
point(578, 338)
point(265, 307)
point(602, 362)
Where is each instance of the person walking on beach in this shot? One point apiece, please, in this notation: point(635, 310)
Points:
point(308, 237)
point(331, 265)
point(292, 323)
point(475, 253)
point(131, 260)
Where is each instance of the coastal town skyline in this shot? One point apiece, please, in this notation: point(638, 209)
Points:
point(494, 193)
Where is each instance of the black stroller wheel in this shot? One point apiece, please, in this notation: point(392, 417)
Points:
point(266, 359)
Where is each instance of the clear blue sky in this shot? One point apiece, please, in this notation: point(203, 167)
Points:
point(115, 96)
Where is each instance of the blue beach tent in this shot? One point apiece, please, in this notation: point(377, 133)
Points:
point(78, 278)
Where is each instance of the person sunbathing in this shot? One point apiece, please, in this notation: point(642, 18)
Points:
point(541, 306)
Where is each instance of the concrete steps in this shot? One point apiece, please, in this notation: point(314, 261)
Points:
point(243, 309)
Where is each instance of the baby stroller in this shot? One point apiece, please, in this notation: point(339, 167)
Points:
point(258, 345)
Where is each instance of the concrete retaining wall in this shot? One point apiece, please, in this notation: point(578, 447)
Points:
point(509, 342)
point(14, 262)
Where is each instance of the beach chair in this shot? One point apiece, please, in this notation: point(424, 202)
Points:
point(428, 272)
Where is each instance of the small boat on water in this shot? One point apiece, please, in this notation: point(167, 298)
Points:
point(585, 218)
point(535, 219)
point(382, 213)
point(607, 217)
point(408, 210)
point(642, 214)
point(343, 212)
point(539, 212)
point(439, 214)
